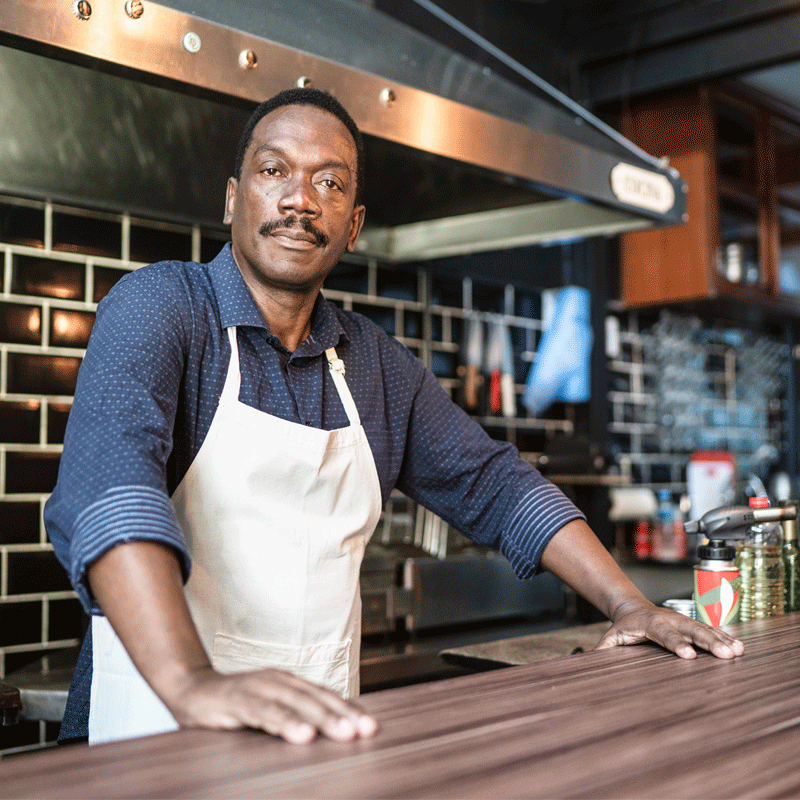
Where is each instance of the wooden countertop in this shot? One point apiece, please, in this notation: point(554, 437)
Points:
point(632, 722)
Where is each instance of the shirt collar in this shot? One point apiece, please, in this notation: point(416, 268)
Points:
point(237, 307)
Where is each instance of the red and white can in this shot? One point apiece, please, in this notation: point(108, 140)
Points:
point(716, 585)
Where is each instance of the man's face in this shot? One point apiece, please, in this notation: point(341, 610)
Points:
point(292, 212)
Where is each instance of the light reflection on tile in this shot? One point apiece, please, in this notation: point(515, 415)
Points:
point(88, 235)
point(104, 279)
point(22, 225)
point(70, 328)
point(45, 277)
point(20, 324)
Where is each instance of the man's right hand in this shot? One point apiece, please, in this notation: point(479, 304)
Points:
point(139, 588)
point(272, 700)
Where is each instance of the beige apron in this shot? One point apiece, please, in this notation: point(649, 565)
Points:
point(276, 516)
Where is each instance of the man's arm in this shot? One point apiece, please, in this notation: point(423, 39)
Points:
point(139, 587)
point(577, 557)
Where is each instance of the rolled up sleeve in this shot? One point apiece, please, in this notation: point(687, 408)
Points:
point(112, 481)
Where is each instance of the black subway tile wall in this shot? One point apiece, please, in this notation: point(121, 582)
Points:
point(20, 623)
point(57, 415)
point(30, 373)
point(31, 573)
point(30, 473)
point(20, 423)
point(95, 235)
point(104, 279)
point(65, 619)
point(149, 244)
point(58, 263)
point(20, 522)
point(47, 277)
point(22, 223)
point(70, 328)
point(20, 324)
point(210, 246)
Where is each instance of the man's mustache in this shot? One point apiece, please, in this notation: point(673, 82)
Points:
point(320, 239)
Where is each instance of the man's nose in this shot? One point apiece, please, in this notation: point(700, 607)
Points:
point(300, 196)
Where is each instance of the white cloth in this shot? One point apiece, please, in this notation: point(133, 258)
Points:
point(276, 517)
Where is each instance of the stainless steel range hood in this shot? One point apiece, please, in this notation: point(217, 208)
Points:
point(137, 105)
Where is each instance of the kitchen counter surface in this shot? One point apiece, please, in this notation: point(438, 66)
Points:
point(632, 722)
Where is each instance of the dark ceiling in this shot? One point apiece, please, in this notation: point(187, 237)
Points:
point(601, 53)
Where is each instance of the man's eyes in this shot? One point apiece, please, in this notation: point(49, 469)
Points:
point(329, 183)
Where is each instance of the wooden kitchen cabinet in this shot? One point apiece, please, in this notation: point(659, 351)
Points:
point(741, 162)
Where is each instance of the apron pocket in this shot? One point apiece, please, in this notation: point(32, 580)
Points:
point(324, 664)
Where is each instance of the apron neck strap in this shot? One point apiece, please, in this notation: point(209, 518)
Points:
point(336, 366)
point(233, 379)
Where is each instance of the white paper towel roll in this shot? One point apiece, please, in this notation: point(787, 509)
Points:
point(630, 503)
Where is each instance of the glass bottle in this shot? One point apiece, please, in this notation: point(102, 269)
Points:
point(791, 564)
point(759, 559)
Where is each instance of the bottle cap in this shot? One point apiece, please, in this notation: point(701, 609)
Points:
point(759, 502)
point(716, 550)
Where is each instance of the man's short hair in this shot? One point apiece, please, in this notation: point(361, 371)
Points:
point(305, 97)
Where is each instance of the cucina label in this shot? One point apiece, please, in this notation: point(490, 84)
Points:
point(642, 188)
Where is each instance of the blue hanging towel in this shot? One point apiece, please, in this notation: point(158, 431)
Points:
point(561, 369)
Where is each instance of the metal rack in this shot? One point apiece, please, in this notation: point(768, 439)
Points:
point(678, 385)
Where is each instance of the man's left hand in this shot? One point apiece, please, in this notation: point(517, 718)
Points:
point(576, 556)
point(640, 622)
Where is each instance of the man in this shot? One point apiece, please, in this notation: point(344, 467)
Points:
point(215, 441)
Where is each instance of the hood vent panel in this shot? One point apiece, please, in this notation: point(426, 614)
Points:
point(455, 140)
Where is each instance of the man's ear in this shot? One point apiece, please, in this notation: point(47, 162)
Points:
point(355, 228)
point(230, 200)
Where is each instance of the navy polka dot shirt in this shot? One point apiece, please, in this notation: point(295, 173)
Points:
point(149, 387)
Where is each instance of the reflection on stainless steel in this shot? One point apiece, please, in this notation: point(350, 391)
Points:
point(248, 59)
point(448, 116)
point(439, 597)
point(81, 10)
point(134, 8)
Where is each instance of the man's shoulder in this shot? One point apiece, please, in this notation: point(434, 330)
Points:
point(176, 273)
point(166, 296)
point(163, 282)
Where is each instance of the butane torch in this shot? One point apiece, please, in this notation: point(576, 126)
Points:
point(716, 577)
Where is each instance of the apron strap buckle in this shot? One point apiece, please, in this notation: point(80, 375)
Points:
point(335, 364)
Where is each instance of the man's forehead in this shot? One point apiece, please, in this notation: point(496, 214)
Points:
point(308, 122)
